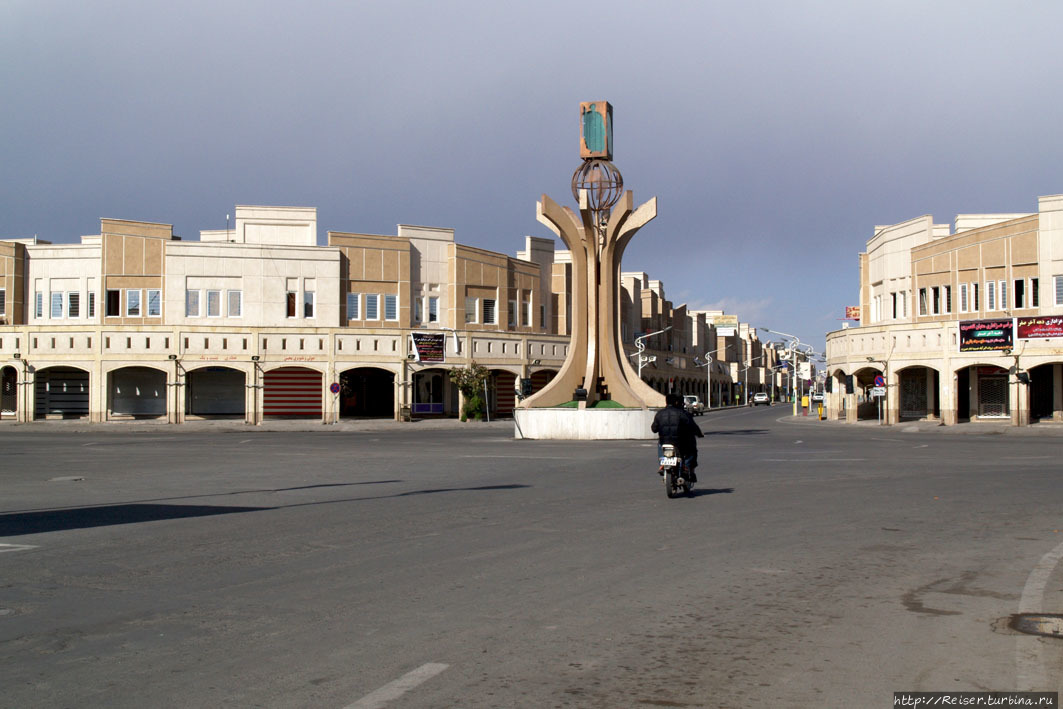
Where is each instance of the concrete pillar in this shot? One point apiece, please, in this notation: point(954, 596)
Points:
point(850, 408)
point(892, 407)
point(1020, 401)
point(931, 393)
point(973, 378)
point(950, 394)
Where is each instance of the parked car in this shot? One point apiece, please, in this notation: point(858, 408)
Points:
point(817, 397)
point(761, 398)
point(693, 405)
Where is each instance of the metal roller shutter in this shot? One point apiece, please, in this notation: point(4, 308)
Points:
point(292, 391)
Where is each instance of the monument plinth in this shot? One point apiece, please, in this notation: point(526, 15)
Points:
point(596, 369)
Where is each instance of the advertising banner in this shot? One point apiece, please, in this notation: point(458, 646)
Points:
point(852, 312)
point(1039, 327)
point(430, 346)
point(984, 335)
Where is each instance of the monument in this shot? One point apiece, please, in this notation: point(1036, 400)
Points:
point(597, 393)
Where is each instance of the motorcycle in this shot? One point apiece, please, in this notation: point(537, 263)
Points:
point(673, 472)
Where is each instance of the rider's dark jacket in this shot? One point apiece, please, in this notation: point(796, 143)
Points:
point(674, 425)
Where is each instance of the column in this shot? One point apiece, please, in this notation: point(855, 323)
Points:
point(1057, 392)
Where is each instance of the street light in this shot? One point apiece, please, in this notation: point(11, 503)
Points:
point(707, 364)
point(640, 344)
point(793, 359)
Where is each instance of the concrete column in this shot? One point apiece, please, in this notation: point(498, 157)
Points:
point(97, 392)
point(950, 395)
point(931, 393)
point(1020, 399)
point(24, 396)
point(973, 379)
point(893, 399)
point(850, 408)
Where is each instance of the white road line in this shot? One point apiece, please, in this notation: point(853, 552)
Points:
point(393, 690)
point(1029, 664)
point(16, 547)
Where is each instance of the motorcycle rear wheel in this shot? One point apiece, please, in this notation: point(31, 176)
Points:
point(669, 483)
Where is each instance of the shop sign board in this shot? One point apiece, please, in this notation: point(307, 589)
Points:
point(430, 346)
point(1039, 327)
point(852, 312)
point(986, 335)
point(877, 392)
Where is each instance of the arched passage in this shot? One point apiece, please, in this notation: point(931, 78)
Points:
point(919, 398)
point(368, 392)
point(61, 392)
point(215, 391)
point(433, 392)
point(291, 392)
point(8, 392)
point(1046, 392)
point(139, 392)
point(868, 407)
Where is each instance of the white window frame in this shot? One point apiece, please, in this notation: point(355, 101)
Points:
point(73, 304)
point(963, 298)
point(374, 299)
point(38, 305)
point(527, 312)
point(990, 295)
point(310, 304)
point(493, 310)
point(3, 302)
point(512, 316)
point(216, 292)
point(1019, 294)
point(472, 310)
point(55, 305)
point(1002, 292)
point(391, 302)
point(239, 309)
point(91, 312)
point(158, 303)
point(199, 303)
point(140, 303)
point(354, 313)
point(924, 304)
point(433, 308)
point(1057, 281)
point(935, 300)
point(291, 297)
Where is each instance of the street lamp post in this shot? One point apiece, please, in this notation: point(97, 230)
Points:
point(640, 344)
point(707, 364)
point(796, 342)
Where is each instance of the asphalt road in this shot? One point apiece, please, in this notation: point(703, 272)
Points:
point(818, 565)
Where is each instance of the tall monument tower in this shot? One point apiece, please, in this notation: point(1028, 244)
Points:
point(596, 368)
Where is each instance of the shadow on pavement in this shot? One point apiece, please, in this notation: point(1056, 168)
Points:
point(737, 432)
point(15, 524)
point(713, 491)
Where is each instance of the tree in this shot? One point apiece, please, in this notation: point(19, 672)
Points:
point(470, 382)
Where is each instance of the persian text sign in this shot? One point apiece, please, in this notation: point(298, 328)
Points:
point(852, 312)
point(1044, 326)
point(430, 346)
point(983, 335)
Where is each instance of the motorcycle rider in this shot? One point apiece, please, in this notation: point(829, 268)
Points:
point(674, 425)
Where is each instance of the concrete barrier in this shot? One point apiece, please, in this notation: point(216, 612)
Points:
point(584, 425)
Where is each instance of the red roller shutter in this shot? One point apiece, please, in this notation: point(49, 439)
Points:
point(504, 393)
point(292, 391)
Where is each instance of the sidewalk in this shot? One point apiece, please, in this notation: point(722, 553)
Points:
point(238, 426)
point(976, 428)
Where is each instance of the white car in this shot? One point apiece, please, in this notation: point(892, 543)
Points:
point(761, 398)
point(693, 405)
point(817, 397)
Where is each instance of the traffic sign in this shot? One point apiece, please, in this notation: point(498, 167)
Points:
point(878, 392)
point(334, 387)
point(880, 381)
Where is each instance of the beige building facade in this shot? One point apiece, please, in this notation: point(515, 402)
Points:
point(962, 324)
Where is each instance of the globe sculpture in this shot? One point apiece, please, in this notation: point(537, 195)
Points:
point(596, 368)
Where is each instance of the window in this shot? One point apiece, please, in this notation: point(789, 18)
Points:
point(990, 295)
point(73, 305)
point(511, 316)
point(948, 299)
point(470, 310)
point(38, 305)
point(527, 314)
point(922, 301)
point(935, 298)
point(154, 303)
point(236, 303)
point(391, 307)
point(57, 306)
point(433, 308)
point(542, 316)
point(904, 303)
point(893, 299)
point(963, 297)
point(1020, 293)
point(489, 311)
point(114, 303)
point(974, 286)
point(418, 310)
point(192, 304)
point(1059, 289)
point(1035, 292)
point(3, 301)
point(291, 303)
point(308, 304)
point(372, 306)
point(92, 304)
point(1003, 295)
point(214, 304)
point(353, 301)
point(132, 303)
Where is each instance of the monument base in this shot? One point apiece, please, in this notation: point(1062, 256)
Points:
point(584, 425)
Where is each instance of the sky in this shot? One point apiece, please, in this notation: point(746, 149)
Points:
point(775, 135)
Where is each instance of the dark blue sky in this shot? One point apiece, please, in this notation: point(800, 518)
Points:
point(775, 135)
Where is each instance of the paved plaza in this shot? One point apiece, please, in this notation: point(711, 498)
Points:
point(440, 564)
